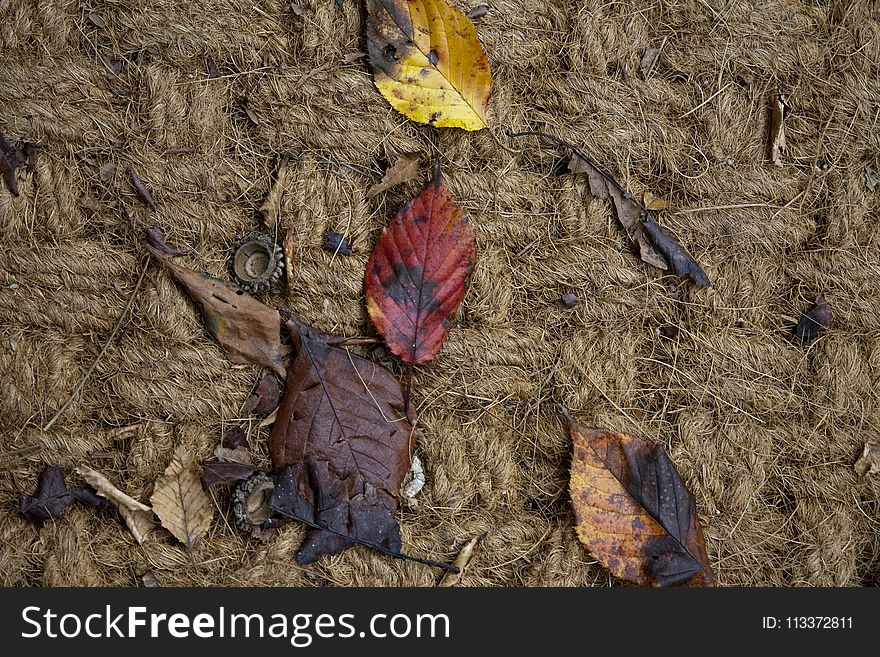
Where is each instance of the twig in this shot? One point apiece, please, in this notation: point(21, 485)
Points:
point(103, 351)
point(375, 546)
point(407, 393)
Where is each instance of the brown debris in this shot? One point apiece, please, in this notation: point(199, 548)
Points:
point(682, 262)
point(869, 461)
point(404, 169)
point(777, 129)
point(140, 187)
point(816, 319)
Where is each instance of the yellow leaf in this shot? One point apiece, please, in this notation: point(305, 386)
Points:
point(654, 203)
point(428, 63)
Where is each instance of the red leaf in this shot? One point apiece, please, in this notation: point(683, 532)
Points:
point(416, 275)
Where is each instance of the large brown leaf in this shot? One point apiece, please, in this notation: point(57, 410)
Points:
point(634, 512)
point(248, 330)
point(415, 277)
point(340, 447)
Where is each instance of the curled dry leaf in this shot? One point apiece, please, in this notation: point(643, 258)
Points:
point(248, 330)
point(814, 320)
point(428, 62)
point(415, 277)
point(461, 562)
point(240, 455)
point(138, 516)
point(777, 129)
point(629, 211)
point(289, 255)
point(869, 461)
point(181, 503)
point(404, 169)
point(340, 447)
point(682, 262)
point(140, 187)
point(52, 497)
point(634, 512)
point(11, 158)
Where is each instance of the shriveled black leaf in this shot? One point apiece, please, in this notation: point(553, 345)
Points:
point(336, 243)
point(814, 320)
point(216, 472)
point(52, 497)
point(569, 300)
point(478, 12)
point(213, 72)
point(682, 262)
point(140, 187)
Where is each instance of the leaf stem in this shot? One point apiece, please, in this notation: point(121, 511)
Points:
point(375, 546)
point(574, 149)
point(407, 393)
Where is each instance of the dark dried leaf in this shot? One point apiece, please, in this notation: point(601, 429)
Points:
point(97, 21)
point(212, 67)
point(235, 438)
point(336, 243)
point(814, 320)
point(248, 330)
point(669, 331)
point(31, 152)
point(633, 510)
point(682, 262)
point(569, 300)
point(629, 211)
point(53, 497)
point(156, 238)
point(10, 159)
point(340, 447)
point(266, 396)
point(416, 276)
point(478, 12)
point(140, 187)
point(216, 472)
point(246, 107)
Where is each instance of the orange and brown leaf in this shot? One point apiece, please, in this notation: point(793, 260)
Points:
point(634, 512)
point(428, 62)
point(249, 331)
point(416, 275)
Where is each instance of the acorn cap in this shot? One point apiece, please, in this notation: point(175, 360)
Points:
point(257, 263)
point(250, 501)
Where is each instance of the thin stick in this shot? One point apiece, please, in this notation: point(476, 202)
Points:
point(378, 548)
point(103, 351)
point(573, 149)
point(407, 393)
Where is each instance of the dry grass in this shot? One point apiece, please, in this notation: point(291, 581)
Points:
point(764, 430)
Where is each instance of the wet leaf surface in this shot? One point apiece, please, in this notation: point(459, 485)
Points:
point(633, 510)
point(428, 62)
point(415, 278)
point(340, 447)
